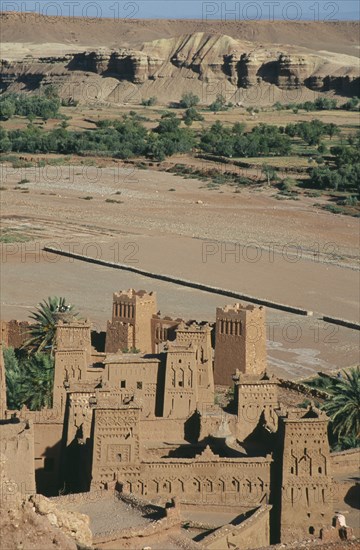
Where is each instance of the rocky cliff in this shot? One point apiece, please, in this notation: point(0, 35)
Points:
point(204, 63)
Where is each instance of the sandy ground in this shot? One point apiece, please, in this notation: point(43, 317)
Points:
point(249, 242)
point(26, 28)
point(108, 515)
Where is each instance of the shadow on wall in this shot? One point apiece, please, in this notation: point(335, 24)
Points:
point(192, 428)
point(352, 497)
point(77, 470)
point(98, 340)
point(47, 471)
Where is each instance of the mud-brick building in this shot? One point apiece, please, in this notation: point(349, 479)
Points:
point(240, 342)
point(148, 423)
point(130, 326)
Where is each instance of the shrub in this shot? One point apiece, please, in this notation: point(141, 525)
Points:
point(191, 115)
point(219, 104)
point(189, 100)
point(149, 102)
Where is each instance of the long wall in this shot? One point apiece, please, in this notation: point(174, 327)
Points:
point(253, 532)
point(345, 462)
point(183, 282)
point(207, 479)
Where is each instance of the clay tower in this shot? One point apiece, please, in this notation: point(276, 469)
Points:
point(304, 478)
point(240, 342)
point(130, 327)
point(72, 356)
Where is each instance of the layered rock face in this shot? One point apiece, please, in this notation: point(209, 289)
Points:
point(172, 64)
point(292, 71)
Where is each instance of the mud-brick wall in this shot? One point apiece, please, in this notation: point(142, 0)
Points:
point(14, 333)
point(254, 532)
point(17, 447)
point(345, 462)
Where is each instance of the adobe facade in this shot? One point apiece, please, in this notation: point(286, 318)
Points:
point(17, 450)
point(240, 342)
point(305, 472)
point(148, 423)
point(130, 326)
point(256, 399)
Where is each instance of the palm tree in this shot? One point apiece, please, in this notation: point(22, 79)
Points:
point(42, 332)
point(348, 442)
point(14, 377)
point(37, 385)
point(344, 405)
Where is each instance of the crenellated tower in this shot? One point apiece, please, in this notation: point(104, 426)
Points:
point(304, 476)
point(240, 342)
point(130, 326)
point(72, 356)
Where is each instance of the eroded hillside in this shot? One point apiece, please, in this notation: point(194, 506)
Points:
point(212, 58)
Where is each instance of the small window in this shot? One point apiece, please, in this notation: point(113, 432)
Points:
point(119, 457)
point(320, 470)
point(139, 385)
point(49, 464)
point(123, 384)
point(181, 383)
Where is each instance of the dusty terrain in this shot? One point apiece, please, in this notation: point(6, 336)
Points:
point(171, 232)
point(125, 61)
point(287, 251)
point(28, 28)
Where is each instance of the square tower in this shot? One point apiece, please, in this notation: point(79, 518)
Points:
point(304, 478)
point(199, 336)
point(72, 356)
point(181, 381)
point(130, 327)
point(256, 399)
point(240, 342)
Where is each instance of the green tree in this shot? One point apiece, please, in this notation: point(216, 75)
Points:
point(29, 379)
point(149, 102)
point(189, 100)
point(352, 104)
point(173, 139)
point(269, 173)
point(332, 130)
point(343, 407)
point(191, 115)
point(50, 92)
point(5, 142)
point(7, 109)
point(14, 378)
point(37, 386)
point(322, 148)
point(219, 104)
point(42, 332)
point(218, 140)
